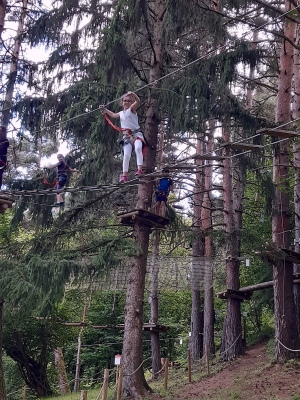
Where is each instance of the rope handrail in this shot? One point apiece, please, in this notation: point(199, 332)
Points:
point(225, 351)
point(203, 57)
point(287, 348)
point(149, 358)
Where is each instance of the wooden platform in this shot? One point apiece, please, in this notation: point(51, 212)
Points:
point(278, 133)
point(208, 157)
point(146, 326)
point(241, 146)
point(182, 166)
point(234, 294)
point(282, 254)
point(143, 216)
point(150, 327)
point(6, 202)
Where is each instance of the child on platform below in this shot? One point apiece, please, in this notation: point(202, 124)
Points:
point(162, 192)
point(133, 138)
point(62, 176)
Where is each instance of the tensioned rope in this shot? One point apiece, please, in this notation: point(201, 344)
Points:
point(135, 181)
point(203, 57)
point(101, 187)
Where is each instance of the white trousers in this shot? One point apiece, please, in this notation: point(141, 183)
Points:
point(127, 149)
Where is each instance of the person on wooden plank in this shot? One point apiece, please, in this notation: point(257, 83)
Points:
point(62, 176)
point(132, 135)
point(162, 192)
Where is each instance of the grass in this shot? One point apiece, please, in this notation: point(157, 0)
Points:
point(93, 394)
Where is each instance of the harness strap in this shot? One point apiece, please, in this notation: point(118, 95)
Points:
point(55, 183)
point(117, 128)
point(144, 147)
point(129, 133)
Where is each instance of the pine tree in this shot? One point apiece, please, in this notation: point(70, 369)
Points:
point(284, 306)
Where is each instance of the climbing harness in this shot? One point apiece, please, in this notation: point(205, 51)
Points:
point(129, 135)
point(44, 177)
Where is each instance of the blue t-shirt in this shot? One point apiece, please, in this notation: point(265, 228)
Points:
point(165, 184)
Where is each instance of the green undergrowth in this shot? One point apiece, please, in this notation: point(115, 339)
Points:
point(92, 394)
point(178, 378)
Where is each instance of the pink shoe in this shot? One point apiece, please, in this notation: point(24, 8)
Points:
point(138, 172)
point(124, 179)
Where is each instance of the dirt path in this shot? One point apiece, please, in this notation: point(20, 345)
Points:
point(252, 377)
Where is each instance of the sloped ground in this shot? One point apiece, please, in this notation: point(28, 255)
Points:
point(251, 377)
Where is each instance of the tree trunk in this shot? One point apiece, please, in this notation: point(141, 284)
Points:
point(197, 273)
point(34, 373)
point(3, 4)
point(208, 329)
point(296, 152)
point(13, 67)
point(284, 307)
point(232, 329)
point(155, 344)
point(2, 382)
point(250, 85)
point(77, 371)
point(3, 151)
point(61, 371)
point(134, 383)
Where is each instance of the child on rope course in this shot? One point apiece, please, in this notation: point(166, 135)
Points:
point(62, 176)
point(162, 192)
point(132, 136)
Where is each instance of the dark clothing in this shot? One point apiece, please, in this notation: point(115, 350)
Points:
point(62, 169)
point(163, 189)
point(160, 196)
point(62, 174)
point(3, 151)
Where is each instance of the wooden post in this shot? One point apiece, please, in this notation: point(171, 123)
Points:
point(117, 374)
point(189, 366)
point(244, 324)
point(105, 384)
point(120, 384)
point(24, 393)
point(166, 372)
point(207, 359)
point(83, 395)
point(76, 380)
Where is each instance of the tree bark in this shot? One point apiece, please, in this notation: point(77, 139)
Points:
point(61, 371)
point(77, 371)
point(2, 382)
point(232, 329)
point(284, 307)
point(13, 67)
point(250, 85)
point(3, 151)
point(134, 383)
point(296, 152)
point(33, 372)
point(3, 4)
point(206, 217)
point(155, 344)
point(197, 273)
